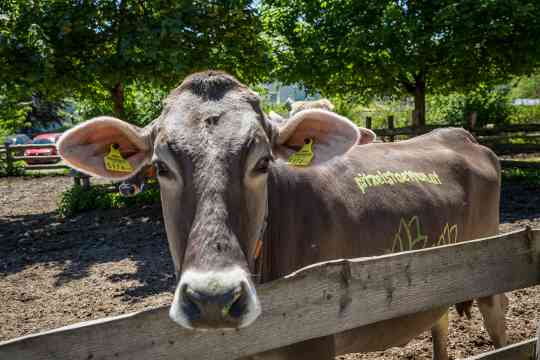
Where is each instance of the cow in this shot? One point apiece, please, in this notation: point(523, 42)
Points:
point(235, 204)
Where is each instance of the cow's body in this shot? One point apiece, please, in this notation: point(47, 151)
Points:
point(226, 184)
point(323, 215)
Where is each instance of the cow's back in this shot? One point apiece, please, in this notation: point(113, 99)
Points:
point(439, 188)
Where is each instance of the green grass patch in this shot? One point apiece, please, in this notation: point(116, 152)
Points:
point(99, 197)
point(17, 168)
point(525, 176)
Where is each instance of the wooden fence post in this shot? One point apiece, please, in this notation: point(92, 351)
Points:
point(9, 159)
point(391, 127)
point(86, 182)
point(368, 122)
point(471, 120)
point(537, 350)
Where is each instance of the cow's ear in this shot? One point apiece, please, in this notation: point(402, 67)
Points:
point(366, 136)
point(85, 146)
point(333, 135)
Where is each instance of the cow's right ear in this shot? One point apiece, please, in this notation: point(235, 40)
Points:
point(85, 146)
point(332, 135)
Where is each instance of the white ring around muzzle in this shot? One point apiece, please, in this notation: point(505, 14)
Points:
point(213, 281)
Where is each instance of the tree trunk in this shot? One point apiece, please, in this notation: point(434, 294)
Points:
point(419, 114)
point(117, 94)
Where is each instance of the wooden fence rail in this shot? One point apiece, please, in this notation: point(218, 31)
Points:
point(524, 350)
point(9, 154)
point(478, 131)
point(529, 134)
point(319, 300)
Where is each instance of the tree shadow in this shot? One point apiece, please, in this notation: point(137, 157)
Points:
point(519, 201)
point(93, 238)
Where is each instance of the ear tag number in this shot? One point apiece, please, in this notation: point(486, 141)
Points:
point(303, 156)
point(114, 161)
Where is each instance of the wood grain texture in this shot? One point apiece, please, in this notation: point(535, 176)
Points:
point(319, 300)
point(524, 350)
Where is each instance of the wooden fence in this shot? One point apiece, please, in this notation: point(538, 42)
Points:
point(12, 153)
point(496, 138)
point(319, 300)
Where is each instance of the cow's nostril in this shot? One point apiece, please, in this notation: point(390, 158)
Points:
point(190, 305)
point(238, 305)
point(197, 304)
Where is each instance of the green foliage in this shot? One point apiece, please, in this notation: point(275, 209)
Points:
point(281, 109)
point(143, 103)
point(14, 109)
point(358, 109)
point(527, 86)
point(77, 199)
point(524, 176)
point(17, 168)
point(62, 47)
point(524, 114)
point(391, 47)
point(492, 105)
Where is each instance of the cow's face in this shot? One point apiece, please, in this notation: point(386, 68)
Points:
point(213, 149)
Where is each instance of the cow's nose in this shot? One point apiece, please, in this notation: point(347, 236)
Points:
point(214, 309)
point(215, 300)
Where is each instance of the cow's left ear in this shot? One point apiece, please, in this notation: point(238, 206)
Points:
point(85, 147)
point(333, 135)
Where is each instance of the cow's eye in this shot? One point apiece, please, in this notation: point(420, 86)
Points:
point(263, 164)
point(161, 168)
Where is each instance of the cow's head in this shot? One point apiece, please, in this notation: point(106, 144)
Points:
point(213, 149)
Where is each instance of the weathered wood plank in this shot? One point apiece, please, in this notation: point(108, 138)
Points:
point(46, 167)
point(42, 157)
point(537, 357)
point(524, 350)
point(319, 300)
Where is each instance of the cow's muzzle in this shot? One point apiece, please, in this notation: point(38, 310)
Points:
point(215, 300)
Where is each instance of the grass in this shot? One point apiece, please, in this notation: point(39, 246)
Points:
point(523, 176)
point(99, 197)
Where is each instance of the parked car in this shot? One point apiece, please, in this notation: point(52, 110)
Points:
point(37, 153)
point(17, 139)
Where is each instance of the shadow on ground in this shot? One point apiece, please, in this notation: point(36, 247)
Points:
point(107, 237)
point(97, 237)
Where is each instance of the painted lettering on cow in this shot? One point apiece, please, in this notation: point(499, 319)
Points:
point(449, 235)
point(365, 181)
point(409, 236)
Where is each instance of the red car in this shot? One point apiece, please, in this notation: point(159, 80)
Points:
point(37, 153)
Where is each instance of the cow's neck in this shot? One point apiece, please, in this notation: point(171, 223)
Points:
point(290, 239)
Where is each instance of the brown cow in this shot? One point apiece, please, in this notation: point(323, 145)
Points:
point(233, 205)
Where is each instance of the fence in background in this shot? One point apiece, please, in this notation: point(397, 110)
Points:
point(504, 140)
point(319, 300)
point(497, 138)
point(13, 153)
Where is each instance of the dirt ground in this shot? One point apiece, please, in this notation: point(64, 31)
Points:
point(56, 272)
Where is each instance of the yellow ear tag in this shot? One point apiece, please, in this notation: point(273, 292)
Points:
point(303, 156)
point(114, 161)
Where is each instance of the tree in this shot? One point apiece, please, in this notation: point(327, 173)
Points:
point(391, 47)
point(61, 46)
point(527, 86)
